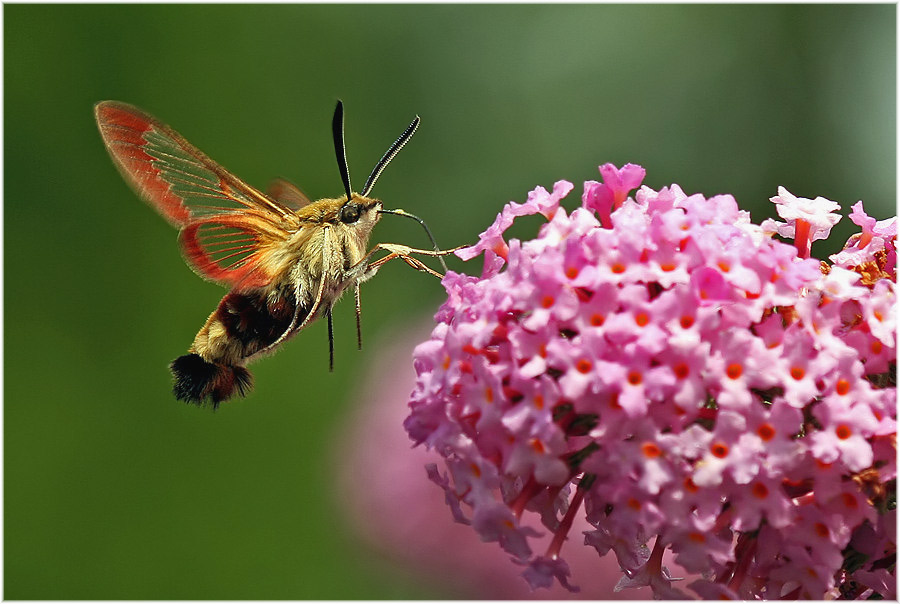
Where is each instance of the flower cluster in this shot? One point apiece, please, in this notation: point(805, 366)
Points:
point(694, 386)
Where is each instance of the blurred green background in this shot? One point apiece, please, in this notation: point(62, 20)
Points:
point(115, 491)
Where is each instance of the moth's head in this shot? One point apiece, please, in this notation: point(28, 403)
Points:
point(357, 209)
point(359, 213)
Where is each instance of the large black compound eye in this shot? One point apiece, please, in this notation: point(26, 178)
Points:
point(350, 212)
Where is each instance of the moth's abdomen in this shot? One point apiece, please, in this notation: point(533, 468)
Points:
point(243, 324)
point(198, 381)
point(254, 321)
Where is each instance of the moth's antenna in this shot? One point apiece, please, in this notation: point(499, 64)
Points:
point(340, 151)
point(399, 212)
point(389, 155)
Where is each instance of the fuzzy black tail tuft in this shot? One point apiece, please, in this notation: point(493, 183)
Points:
point(198, 381)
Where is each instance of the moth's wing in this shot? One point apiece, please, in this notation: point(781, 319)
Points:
point(288, 194)
point(175, 177)
point(242, 250)
point(230, 232)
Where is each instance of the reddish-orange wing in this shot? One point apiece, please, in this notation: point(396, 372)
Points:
point(229, 230)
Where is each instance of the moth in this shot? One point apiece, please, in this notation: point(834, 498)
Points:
point(285, 259)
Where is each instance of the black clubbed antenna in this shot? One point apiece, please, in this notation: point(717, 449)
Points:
point(389, 155)
point(340, 151)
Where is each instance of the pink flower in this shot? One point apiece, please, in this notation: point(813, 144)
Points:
point(491, 240)
point(540, 201)
point(807, 219)
point(654, 575)
point(397, 511)
point(542, 571)
point(604, 197)
point(667, 369)
point(871, 228)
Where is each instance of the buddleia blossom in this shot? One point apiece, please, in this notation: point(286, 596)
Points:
point(695, 387)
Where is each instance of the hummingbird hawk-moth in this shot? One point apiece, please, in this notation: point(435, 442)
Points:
point(285, 258)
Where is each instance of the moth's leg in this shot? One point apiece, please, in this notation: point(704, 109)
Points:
point(330, 340)
point(413, 262)
point(358, 318)
point(364, 269)
point(293, 325)
point(312, 311)
point(405, 250)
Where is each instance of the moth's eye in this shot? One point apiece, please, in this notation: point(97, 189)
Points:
point(350, 213)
